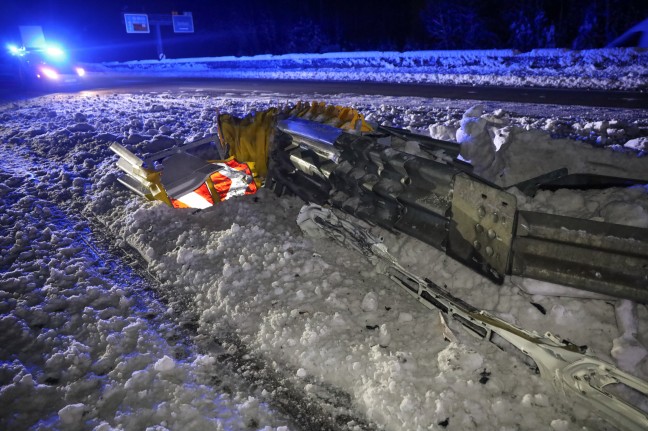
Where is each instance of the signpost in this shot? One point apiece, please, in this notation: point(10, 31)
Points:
point(141, 22)
point(137, 23)
point(183, 23)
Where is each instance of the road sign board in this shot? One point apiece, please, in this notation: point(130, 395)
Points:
point(137, 23)
point(183, 23)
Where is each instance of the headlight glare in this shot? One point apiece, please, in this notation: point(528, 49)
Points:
point(49, 73)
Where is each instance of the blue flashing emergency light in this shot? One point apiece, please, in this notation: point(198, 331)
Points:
point(54, 52)
point(14, 50)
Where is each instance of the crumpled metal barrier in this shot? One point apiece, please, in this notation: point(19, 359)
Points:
point(433, 196)
point(180, 178)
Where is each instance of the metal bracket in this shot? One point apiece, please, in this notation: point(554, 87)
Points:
point(481, 226)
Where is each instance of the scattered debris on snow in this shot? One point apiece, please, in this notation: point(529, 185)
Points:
point(84, 346)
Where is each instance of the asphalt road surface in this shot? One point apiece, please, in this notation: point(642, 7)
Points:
point(557, 96)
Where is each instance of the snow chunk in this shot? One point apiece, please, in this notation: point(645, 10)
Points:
point(477, 145)
point(559, 425)
point(384, 336)
point(627, 213)
point(535, 400)
point(72, 414)
point(404, 317)
point(81, 127)
point(408, 405)
point(164, 364)
point(640, 144)
point(628, 352)
point(370, 302)
point(459, 357)
point(133, 138)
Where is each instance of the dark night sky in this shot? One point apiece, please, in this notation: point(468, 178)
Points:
point(246, 27)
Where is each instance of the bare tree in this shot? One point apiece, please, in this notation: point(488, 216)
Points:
point(456, 25)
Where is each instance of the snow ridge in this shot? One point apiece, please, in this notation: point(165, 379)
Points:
point(608, 68)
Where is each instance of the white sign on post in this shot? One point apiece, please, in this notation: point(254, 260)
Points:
point(137, 23)
point(183, 23)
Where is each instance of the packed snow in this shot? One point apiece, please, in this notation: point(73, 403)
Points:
point(608, 68)
point(119, 313)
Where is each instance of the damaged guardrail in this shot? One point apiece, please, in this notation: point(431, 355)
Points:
point(428, 192)
point(434, 196)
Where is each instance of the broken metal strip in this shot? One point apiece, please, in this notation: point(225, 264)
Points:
point(449, 147)
point(577, 374)
point(595, 256)
point(142, 181)
point(135, 186)
point(180, 148)
point(123, 153)
point(137, 172)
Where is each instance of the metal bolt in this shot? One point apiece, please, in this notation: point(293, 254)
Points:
point(481, 212)
point(489, 251)
point(477, 245)
point(479, 228)
point(495, 217)
point(491, 234)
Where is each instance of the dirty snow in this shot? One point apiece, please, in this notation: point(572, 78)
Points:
point(87, 344)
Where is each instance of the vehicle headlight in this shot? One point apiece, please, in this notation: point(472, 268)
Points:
point(49, 73)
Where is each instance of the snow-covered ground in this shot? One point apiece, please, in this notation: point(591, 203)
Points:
point(231, 318)
point(610, 68)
